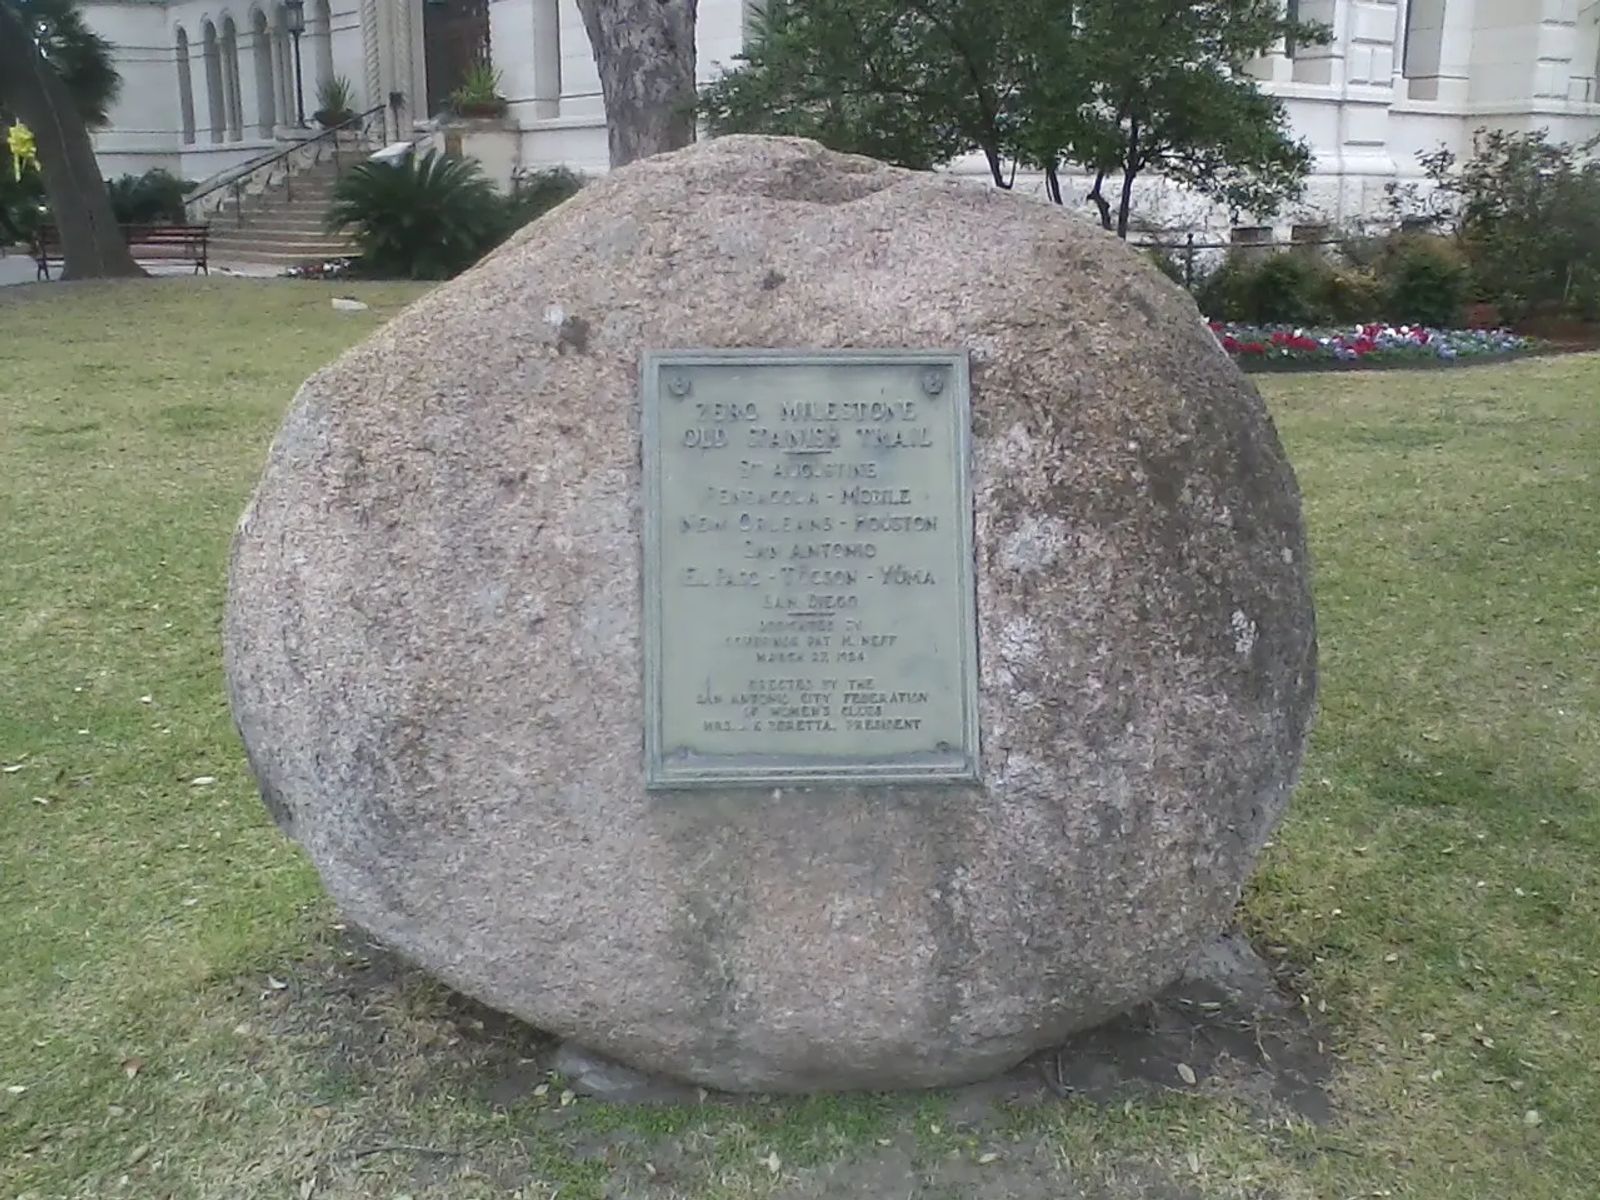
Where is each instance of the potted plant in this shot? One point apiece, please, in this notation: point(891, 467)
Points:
point(479, 94)
point(335, 102)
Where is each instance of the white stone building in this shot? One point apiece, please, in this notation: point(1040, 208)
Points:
point(209, 84)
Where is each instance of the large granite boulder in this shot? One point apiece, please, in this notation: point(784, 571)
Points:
point(433, 637)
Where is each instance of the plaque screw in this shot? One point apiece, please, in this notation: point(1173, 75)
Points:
point(678, 385)
point(933, 382)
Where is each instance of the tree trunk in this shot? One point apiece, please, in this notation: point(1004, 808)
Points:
point(1125, 209)
point(1052, 183)
point(991, 154)
point(92, 246)
point(1130, 172)
point(1098, 197)
point(644, 51)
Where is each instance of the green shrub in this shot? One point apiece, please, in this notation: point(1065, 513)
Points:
point(1220, 294)
point(1527, 215)
point(154, 198)
point(1425, 282)
point(537, 192)
point(1353, 295)
point(424, 218)
point(1287, 289)
point(1292, 288)
point(1267, 289)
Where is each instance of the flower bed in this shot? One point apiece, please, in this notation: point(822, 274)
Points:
point(1374, 344)
point(332, 268)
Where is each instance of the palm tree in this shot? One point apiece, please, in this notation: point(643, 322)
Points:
point(56, 77)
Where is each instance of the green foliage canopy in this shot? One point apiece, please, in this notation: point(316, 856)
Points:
point(83, 60)
point(1526, 212)
point(79, 55)
point(1116, 89)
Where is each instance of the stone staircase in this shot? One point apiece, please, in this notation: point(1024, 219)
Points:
point(282, 231)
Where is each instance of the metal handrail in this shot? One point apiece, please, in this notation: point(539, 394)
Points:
point(238, 180)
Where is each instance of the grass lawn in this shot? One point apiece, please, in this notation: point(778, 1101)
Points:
point(182, 1016)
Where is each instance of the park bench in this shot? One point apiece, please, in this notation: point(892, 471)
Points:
point(148, 243)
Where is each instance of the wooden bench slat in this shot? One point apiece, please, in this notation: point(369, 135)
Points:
point(164, 243)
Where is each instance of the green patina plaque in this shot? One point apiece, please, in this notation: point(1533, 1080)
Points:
point(808, 586)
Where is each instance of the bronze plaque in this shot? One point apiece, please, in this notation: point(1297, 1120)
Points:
point(808, 584)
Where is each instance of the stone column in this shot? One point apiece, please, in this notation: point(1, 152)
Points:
point(1322, 64)
point(1522, 51)
point(546, 58)
point(411, 60)
point(1450, 80)
point(1367, 71)
point(371, 65)
point(398, 37)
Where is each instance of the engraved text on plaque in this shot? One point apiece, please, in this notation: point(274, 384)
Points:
point(808, 589)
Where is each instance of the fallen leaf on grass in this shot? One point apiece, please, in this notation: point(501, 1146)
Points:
point(203, 780)
point(276, 985)
point(16, 1089)
point(1531, 1118)
point(542, 1090)
point(138, 1156)
point(773, 1162)
point(985, 1159)
point(132, 1066)
point(12, 768)
point(1194, 1163)
point(1186, 1073)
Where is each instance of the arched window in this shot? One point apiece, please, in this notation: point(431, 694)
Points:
point(261, 49)
point(288, 102)
point(216, 107)
point(322, 38)
point(230, 79)
point(185, 87)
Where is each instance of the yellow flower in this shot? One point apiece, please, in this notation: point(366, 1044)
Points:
point(24, 150)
